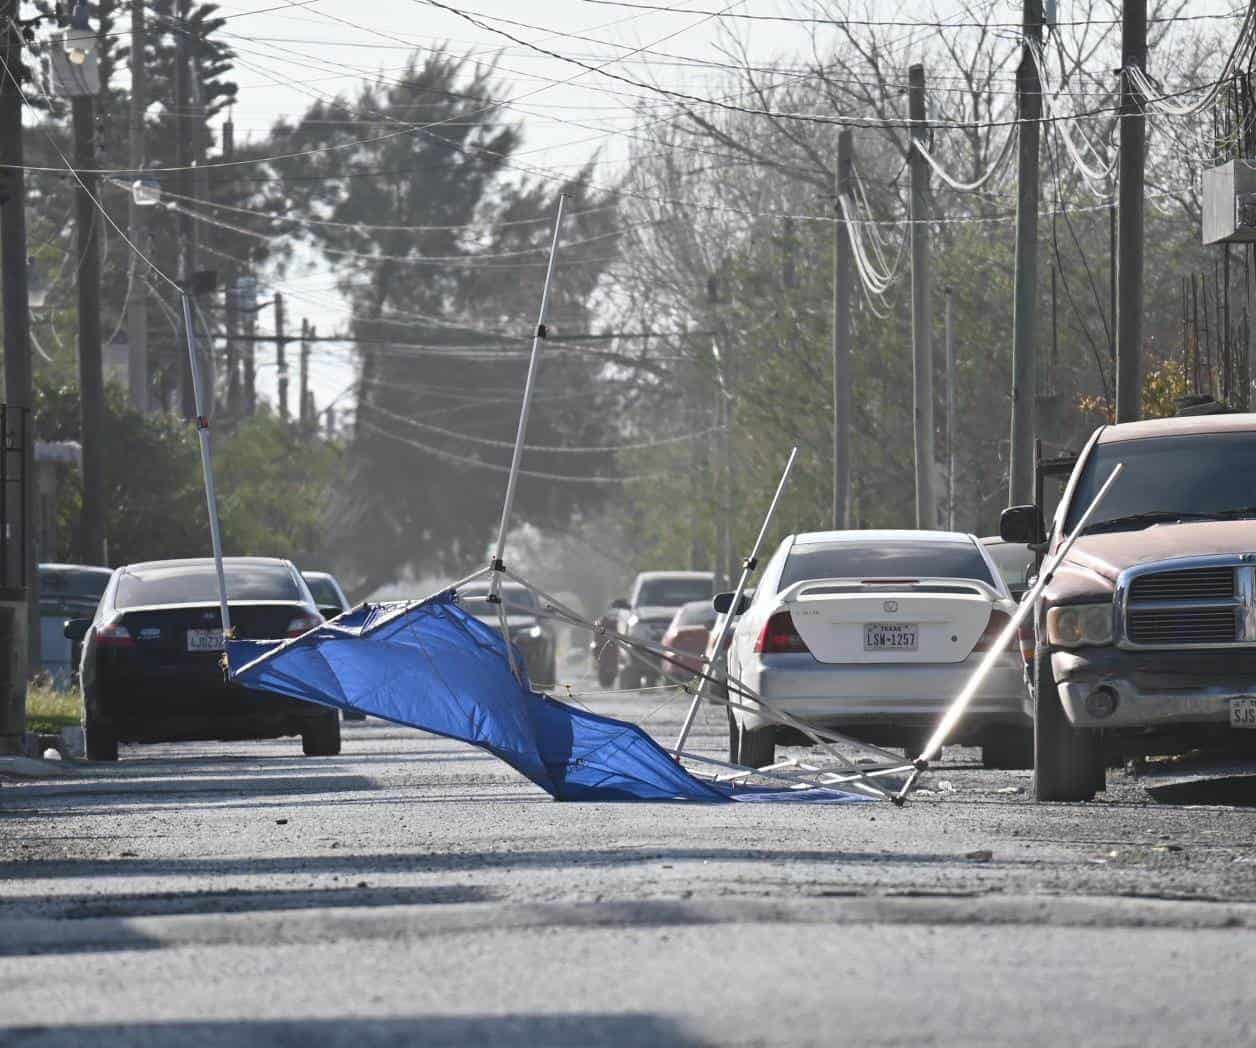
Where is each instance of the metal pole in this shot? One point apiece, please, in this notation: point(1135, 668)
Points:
point(187, 184)
point(517, 457)
point(1133, 130)
point(207, 465)
point(956, 710)
point(1025, 309)
point(91, 374)
point(841, 337)
point(747, 569)
point(137, 304)
point(950, 414)
point(921, 313)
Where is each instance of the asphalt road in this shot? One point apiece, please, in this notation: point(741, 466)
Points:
point(415, 891)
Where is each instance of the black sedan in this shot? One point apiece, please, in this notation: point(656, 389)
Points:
point(151, 667)
point(532, 635)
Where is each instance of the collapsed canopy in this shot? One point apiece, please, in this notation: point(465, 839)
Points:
point(434, 667)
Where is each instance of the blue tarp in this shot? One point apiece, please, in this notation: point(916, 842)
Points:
point(434, 667)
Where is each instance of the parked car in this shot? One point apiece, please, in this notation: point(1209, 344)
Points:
point(1145, 639)
point(1015, 561)
point(688, 633)
point(655, 597)
point(66, 591)
point(331, 601)
point(151, 666)
point(873, 633)
point(531, 634)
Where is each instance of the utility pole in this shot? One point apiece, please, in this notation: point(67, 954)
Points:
point(307, 332)
point(281, 357)
point(1129, 314)
point(137, 304)
point(1025, 309)
point(18, 392)
point(950, 414)
point(232, 303)
point(921, 314)
point(185, 130)
point(841, 337)
point(91, 373)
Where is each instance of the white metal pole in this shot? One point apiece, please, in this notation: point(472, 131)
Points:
point(726, 630)
point(207, 465)
point(962, 700)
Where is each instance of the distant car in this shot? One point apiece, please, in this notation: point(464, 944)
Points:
point(873, 633)
point(151, 667)
point(66, 591)
point(331, 601)
point(655, 597)
point(532, 635)
point(604, 652)
point(688, 633)
point(1014, 560)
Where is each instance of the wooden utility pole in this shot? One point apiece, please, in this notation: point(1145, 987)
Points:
point(307, 332)
point(921, 313)
point(137, 304)
point(91, 373)
point(841, 336)
point(1129, 314)
point(281, 357)
point(1025, 309)
point(185, 129)
point(950, 414)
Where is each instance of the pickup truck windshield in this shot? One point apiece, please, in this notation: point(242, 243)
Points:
point(1201, 476)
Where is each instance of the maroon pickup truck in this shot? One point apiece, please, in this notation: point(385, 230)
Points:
point(1145, 639)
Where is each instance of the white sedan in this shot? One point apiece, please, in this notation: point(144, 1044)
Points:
point(873, 633)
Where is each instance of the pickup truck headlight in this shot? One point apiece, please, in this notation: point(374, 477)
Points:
point(1080, 625)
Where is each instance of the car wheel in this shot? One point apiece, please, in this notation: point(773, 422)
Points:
point(1009, 749)
point(100, 741)
point(630, 678)
point(756, 747)
point(1068, 761)
point(606, 671)
point(321, 737)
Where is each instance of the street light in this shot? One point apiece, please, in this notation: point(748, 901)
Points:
point(79, 40)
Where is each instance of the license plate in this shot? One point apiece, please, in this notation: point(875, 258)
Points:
point(891, 636)
point(204, 640)
point(1243, 712)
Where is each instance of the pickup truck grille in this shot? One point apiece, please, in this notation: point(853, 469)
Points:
point(1206, 606)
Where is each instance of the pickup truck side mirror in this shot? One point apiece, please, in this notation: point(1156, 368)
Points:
point(723, 601)
point(76, 629)
point(620, 604)
point(1023, 524)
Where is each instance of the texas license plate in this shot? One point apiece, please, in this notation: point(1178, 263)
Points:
point(891, 636)
point(204, 640)
point(1243, 712)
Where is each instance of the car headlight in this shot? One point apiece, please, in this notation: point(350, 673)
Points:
point(634, 624)
point(532, 632)
point(1080, 625)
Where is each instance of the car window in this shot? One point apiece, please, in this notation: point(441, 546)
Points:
point(323, 590)
point(475, 599)
point(670, 593)
point(83, 583)
point(887, 559)
point(696, 614)
point(1200, 473)
point(198, 583)
point(1012, 559)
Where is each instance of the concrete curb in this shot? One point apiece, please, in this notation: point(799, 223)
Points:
point(68, 742)
point(34, 768)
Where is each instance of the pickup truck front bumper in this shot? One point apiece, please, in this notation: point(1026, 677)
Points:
point(1153, 688)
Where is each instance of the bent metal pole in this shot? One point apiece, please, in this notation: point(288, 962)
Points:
point(962, 700)
point(207, 465)
point(726, 630)
point(537, 337)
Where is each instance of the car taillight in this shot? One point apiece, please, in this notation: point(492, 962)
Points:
point(779, 636)
point(303, 624)
point(114, 635)
point(997, 624)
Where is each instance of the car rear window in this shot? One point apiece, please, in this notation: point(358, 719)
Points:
point(885, 560)
point(198, 583)
point(670, 593)
point(323, 590)
point(696, 614)
point(86, 583)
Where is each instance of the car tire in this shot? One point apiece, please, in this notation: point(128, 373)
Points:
point(1068, 761)
point(321, 737)
point(100, 741)
point(1009, 749)
point(630, 678)
point(606, 672)
point(756, 747)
